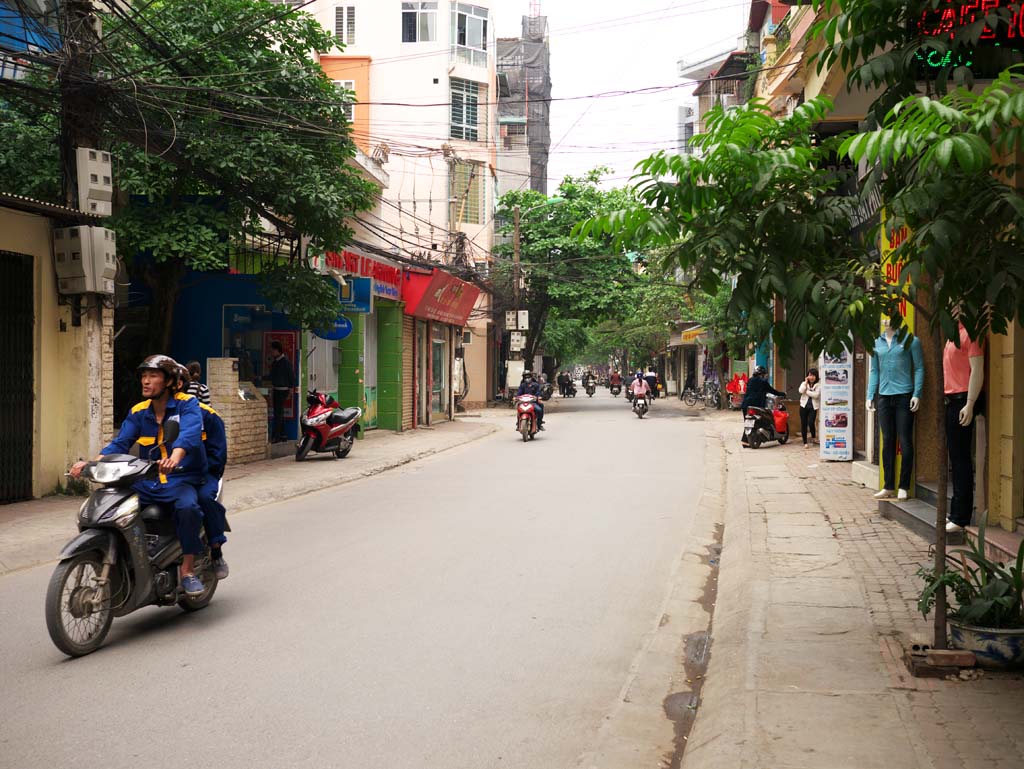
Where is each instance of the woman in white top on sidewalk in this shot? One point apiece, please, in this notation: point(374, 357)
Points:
point(810, 401)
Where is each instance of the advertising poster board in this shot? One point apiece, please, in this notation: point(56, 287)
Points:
point(357, 296)
point(836, 426)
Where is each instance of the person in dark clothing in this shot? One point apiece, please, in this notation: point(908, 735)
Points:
point(652, 381)
point(758, 389)
point(529, 386)
point(282, 382)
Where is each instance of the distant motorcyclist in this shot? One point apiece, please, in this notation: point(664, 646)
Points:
point(639, 387)
point(651, 377)
point(615, 380)
point(529, 386)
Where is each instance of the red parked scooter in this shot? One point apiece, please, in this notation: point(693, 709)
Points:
point(526, 416)
point(327, 427)
point(766, 424)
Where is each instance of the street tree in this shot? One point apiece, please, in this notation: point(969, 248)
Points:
point(575, 279)
point(220, 123)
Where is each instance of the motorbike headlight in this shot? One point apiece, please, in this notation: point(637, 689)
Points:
point(319, 419)
point(125, 513)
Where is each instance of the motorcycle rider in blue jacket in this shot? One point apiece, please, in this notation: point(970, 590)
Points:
point(529, 386)
point(182, 464)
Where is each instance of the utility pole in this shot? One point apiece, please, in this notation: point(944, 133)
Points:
point(515, 256)
point(77, 91)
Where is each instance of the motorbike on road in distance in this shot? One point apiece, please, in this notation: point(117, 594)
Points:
point(640, 406)
point(123, 559)
point(526, 416)
point(616, 390)
point(546, 391)
point(570, 390)
point(327, 427)
point(591, 389)
point(770, 423)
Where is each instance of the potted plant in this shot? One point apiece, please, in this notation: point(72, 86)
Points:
point(986, 615)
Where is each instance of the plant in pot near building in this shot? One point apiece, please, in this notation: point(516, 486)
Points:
point(986, 615)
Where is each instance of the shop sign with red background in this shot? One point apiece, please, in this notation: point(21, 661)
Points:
point(439, 296)
point(387, 279)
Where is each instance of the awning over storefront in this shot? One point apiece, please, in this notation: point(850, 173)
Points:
point(682, 337)
point(439, 296)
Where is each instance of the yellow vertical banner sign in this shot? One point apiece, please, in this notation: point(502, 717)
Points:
point(892, 236)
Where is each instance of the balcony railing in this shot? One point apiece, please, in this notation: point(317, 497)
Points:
point(783, 34)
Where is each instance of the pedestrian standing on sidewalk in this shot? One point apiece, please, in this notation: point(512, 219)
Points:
point(194, 385)
point(810, 403)
point(282, 382)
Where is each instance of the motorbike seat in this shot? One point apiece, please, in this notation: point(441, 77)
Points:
point(341, 416)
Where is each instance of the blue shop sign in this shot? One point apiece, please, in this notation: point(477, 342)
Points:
point(357, 295)
point(341, 329)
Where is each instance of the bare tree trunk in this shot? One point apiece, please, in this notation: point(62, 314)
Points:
point(164, 280)
point(536, 331)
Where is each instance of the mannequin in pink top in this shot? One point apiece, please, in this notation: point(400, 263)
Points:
point(963, 369)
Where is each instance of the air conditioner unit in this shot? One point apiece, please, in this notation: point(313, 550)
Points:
point(85, 259)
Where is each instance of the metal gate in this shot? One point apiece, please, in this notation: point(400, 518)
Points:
point(16, 376)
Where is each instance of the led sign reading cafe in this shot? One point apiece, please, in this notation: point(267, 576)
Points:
point(944, 21)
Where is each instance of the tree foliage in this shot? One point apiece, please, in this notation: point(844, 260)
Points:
point(762, 201)
point(218, 120)
point(575, 279)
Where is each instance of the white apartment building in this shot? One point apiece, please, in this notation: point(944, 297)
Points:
point(424, 84)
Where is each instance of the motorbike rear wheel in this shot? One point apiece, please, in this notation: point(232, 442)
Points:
point(783, 437)
point(209, 579)
point(76, 627)
point(754, 440)
point(303, 448)
point(347, 441)
point(690, 399)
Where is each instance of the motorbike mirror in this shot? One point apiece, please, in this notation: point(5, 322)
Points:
point(171, 430)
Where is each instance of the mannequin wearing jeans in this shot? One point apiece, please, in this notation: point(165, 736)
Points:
point(896, 382)
point(963, 368)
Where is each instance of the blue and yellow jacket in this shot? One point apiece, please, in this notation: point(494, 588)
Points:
point(140, 427)
point(215, 441)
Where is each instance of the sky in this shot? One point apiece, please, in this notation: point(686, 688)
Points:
point(610, 45)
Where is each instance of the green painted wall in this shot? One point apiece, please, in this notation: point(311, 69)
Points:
point(389, 365)
point(350, 369)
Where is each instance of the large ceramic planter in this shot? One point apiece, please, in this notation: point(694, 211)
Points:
point(995, 649)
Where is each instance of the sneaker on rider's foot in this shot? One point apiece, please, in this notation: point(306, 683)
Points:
point(540, 427)
point(191, 584)
point(220, 568)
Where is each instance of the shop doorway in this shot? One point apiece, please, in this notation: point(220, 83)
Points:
point(16, 377)
point(439, 370)
point(370, 371)
point(422, 378)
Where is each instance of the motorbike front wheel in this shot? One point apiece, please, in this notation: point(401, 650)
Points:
point(783, 437)
point(347, 441)
point(77, 627)
point(524, 429)
point(690, 399)
point(303, 448)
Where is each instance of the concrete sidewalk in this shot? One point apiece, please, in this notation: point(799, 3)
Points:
point(817, 596)
point(33, 532)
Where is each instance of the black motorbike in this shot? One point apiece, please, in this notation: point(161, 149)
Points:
point(616, 390)
point(546, 391)
point(124, 558)
point(591, 388)
point(570, 390)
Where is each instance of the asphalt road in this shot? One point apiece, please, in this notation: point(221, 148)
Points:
point(477, 609)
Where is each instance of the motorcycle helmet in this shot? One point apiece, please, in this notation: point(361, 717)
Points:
point(165, 363)
point(760, 371)
point(184, 377)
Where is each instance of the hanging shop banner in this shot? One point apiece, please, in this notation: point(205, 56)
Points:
point(386, 278)
point(439, 296)
point(357, 295)
point(341, 329)
point(891, 238)
point(836, 427)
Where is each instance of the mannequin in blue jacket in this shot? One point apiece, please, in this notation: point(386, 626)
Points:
point(895, 386)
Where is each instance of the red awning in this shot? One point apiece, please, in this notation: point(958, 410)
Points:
point(438, 296)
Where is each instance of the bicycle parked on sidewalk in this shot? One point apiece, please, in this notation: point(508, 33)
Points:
point(708, 396)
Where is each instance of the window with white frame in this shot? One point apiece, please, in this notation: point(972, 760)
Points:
point(467, 192)
point(345, 24)
point(347, 90)
point(419, 22)
point(469, 34)
point(468, 105)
